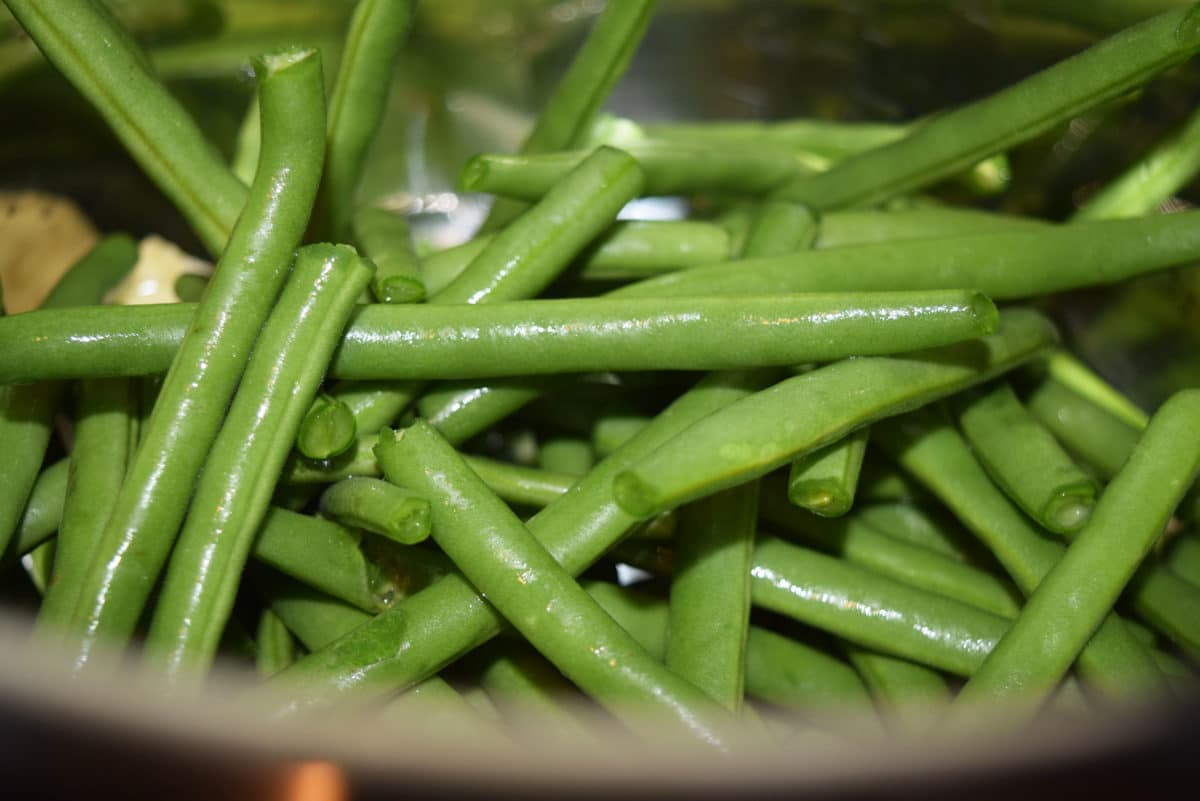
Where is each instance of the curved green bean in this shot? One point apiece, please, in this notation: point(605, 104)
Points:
point(356, 105)
point(232, 493)
point(1006, 265)
point(378, 506)
point(809, 410)
point(1077, 594)
point(824, 480)
point(1025, 460)
point(529, 337)
point(951, 142)
point(211, 358)
point(535, 593)
point(100, 59)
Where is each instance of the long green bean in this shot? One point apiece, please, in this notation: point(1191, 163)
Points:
point(378, 506)
point(953, 141)
point(385, 240)
point(232, 493)
point(101, 60)
point(860, 227)
point(1075, 596)
point(824, 480)
point(810, 410)
point(1006, 265)
point(536, 594)
point(528, 338)
point(1098, 437)
point(191, 405)
point(43, 510)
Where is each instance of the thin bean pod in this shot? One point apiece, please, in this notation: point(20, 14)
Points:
point(428, 630)
point(249, 143)
point(1079, 378)
point(1075, 596)
point(527, 690)
point(314, 618)
point(211, 358)
point(828, 138)
point(378, 506)
point(710, 593)
point(385, 240)
point(43, 510)
point(669, 170)
point(525, 583)
point(101, 60)
point(819, 407)
point(906, 522)
point(928, 447)
point(356, 105)
point(232, 493)
point(1005, 265)
point(823, 481)
point(1025, 460)
point(860, 544)
point(780, 228)
point(872, 610)
point(100, 456)
point(859, 227)
point(528, 338)
point(1182, 555)
point(951, 142)
point(570, 455)
point(569, 111)
point(1096, 436)
point(911, 697)
point(327, 430)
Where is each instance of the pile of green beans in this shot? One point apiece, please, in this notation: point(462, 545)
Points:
point(426, 481)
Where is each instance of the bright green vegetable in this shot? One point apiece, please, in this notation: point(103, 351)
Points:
point(43, 510)
point(824, 480)
point(385, 240)
point(378, 506)
point(276, 648)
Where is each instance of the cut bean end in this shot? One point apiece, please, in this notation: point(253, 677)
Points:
point(328, 430)
point(398, 289)
point(1070, 509)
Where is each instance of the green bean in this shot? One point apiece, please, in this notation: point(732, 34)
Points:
point(872, 610)
point(90, 279)
point(613, 431)
point(778, 669)
point(1182, 555)
point(860, 227)
point(693, 464)
point(102, 62)
point(1151, 180)
point(378, 506)
point(951, 142)
point(779, 228)
point(1169, 603)
point(710, 593)
point(910, 696)
point(385, 239)
point(861, 545)
point(529, 692)
point(880, 483)
point(38, 564)
point(1096, 436)
point(275, 646)
point(1025, 460)
point(328, 430)
point(669, 169)
point(211, 358)
point(1081, 379)
point(1006, 265)
point(356, 106)
point(100, 456)
point(232, 493)
point(929, 448)
point(823, 481)
point(43, 510)
point(314, 618)
point(189, 287)
point(529, 337)
point(569, 455)
point(828, 138)
point(568, 113)
point(430, 629)
point(1075, 596)
point(537, 595)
